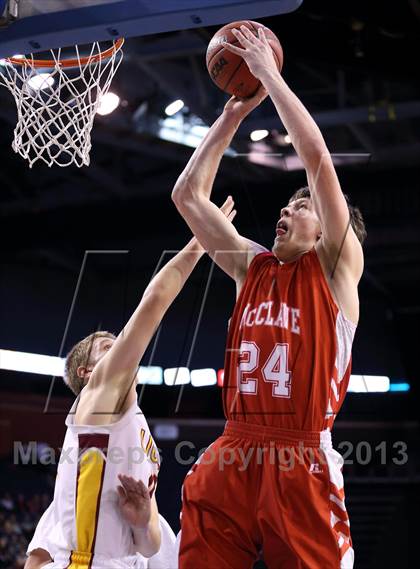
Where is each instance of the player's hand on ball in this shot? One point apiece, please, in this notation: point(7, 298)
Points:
point(256, 51)
point(243, 107)
point(134, 501)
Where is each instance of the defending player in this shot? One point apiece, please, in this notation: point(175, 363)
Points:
point(108, 451)
point(273, 481)
point(41, 549)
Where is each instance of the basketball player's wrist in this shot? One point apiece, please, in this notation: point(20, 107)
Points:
point(195, 249)
point(233, 117)
point(142, 529)
point(147, 539)
point(271, 78)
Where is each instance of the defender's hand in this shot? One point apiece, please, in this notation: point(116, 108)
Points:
point(134, 501)
point(255, 50)
point(228, 208)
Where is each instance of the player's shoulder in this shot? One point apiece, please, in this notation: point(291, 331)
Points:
point(259, 258)
point(256, 265)
point(255, 247)
point(255, 254)
point(255, 250)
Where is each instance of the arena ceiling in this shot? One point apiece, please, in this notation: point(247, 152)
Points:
point(355, 66)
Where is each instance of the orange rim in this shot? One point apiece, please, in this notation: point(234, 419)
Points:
point(75, 62)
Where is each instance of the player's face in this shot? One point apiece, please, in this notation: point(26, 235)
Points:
point(297, 229)
point(99, 348)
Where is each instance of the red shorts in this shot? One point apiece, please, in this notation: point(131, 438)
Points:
point(263, 492)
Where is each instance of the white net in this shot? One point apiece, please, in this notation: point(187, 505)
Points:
point(57, 103)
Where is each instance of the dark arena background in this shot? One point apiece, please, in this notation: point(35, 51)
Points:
point(101, 231)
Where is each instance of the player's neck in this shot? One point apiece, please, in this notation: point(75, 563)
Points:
point(284, 259)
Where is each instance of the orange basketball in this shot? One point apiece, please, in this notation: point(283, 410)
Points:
point(228, 70)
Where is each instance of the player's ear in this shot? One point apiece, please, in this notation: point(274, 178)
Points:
point(81, 372)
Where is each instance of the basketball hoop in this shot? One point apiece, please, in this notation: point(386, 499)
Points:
point(56, 108)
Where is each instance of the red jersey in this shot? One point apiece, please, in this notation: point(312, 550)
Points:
point(288, 353)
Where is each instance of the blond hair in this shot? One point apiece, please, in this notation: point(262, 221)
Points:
point(79, 356)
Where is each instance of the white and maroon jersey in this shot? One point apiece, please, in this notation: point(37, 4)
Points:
point(165, 558)
point(288, 354)
point(88, 526)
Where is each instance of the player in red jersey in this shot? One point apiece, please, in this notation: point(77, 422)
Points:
point(273, 483)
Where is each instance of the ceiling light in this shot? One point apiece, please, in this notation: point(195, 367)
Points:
point(202, 377)
point(150, 375)
point(4, 62)
point(108, 103)
point(368, 384)
point(31, 363)
point(176, 376)
point(174, 107)
point(41, 81)
point(257, 135)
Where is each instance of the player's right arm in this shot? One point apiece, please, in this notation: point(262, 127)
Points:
point(114, 374)
point(192, 191)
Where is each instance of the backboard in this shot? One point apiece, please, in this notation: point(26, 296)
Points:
point(31, 26)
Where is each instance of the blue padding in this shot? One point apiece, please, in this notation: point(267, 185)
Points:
point(3, 4)
point(129, 18)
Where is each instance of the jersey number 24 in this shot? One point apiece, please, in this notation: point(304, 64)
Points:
point(275, 370)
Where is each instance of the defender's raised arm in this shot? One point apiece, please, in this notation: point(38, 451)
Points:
point(117, 369)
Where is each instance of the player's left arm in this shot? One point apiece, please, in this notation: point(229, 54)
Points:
point(147, 540)
point(140, 510)
point(338, 240)
point(37, 558)
point(338, 237)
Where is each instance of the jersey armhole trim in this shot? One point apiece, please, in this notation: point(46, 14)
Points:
point(339, 311)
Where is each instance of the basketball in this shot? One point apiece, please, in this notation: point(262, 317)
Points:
point(228, 70)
